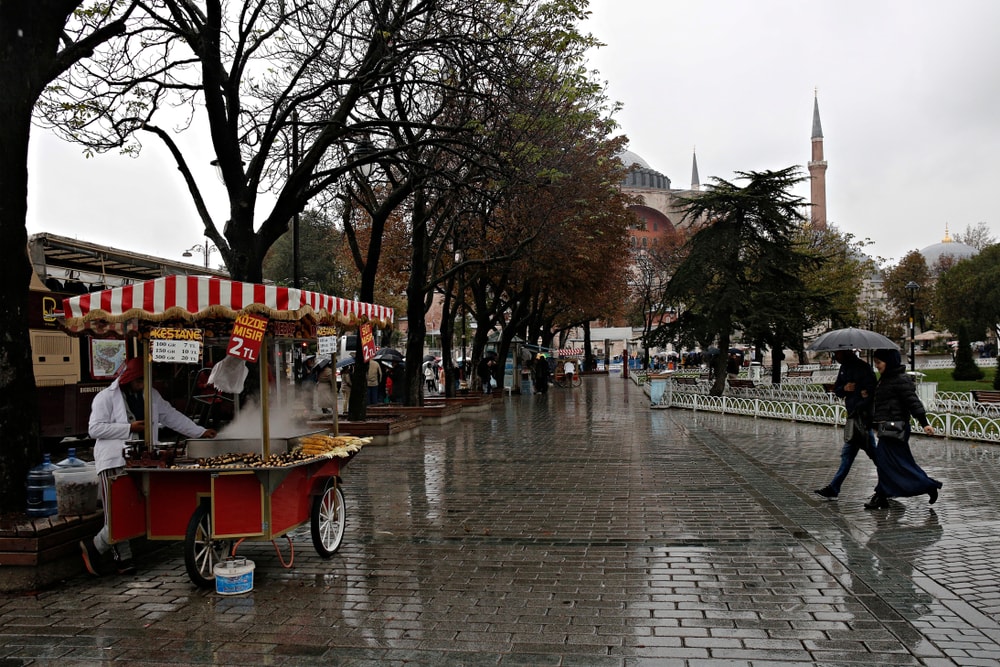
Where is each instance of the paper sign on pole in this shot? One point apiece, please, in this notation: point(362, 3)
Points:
point(248, 333)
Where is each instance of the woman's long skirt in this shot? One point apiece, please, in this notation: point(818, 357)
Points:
point(899, 476)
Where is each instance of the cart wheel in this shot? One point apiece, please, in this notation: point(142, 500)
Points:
point(328, 520)
point(577, 380)
point(201, 552)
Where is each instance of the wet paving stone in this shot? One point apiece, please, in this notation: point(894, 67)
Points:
point(578, 528)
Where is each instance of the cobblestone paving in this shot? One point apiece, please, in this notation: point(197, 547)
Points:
point(578, 528)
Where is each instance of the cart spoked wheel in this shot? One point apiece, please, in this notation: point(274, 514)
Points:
point(201, 552)
point(328, 519)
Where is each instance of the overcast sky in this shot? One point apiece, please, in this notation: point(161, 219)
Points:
point(908, 95)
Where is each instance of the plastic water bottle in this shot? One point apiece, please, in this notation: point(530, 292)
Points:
point(42, 489)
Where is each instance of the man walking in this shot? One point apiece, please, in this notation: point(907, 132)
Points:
point(856, 385)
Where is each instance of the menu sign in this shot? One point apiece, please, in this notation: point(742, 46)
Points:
point(178, 346)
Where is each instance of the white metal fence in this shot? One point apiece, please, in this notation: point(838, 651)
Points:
point(952, 414)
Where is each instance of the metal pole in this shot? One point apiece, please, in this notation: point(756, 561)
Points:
point(205, 254)
point(295, 219)
point(913, 353)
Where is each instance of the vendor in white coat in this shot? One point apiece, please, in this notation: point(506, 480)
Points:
point(116, 413)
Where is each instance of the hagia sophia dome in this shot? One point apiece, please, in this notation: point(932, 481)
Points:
point(640, 174)
point(947, 247)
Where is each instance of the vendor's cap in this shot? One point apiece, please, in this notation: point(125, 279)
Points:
point(132, 370)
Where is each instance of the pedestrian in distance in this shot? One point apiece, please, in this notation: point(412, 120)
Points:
point(345, 385)
point(430, 377)
point(541, 368)
point(568, 370)
point(485, 373)
point(374, 382)
point(117, 414)
point(856, 385)
point(896, 402)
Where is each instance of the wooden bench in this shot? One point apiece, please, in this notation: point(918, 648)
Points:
point(800, 374)
point(742, 384)
point(686, 380)
point(985, 396)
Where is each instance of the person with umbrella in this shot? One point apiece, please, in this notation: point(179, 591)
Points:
point(856, 385)
point(896, 401)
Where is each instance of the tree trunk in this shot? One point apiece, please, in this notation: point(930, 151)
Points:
point(29, 41)
point(719, 362)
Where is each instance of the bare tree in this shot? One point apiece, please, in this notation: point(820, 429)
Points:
point(979, 236)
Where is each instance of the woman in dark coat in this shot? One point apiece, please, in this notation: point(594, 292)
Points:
point(541, 374)
point(896, 400)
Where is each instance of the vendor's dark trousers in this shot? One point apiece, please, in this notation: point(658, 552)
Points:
point(847, 456)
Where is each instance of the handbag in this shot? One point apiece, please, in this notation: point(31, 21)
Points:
point(892, 429)
point(854, 427)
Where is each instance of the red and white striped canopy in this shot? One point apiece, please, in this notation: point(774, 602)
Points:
point(193, 297)
point(570, 352)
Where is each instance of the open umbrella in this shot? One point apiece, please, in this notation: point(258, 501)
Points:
point(388, 354)
point(429, 357)
point(346, 361)
point(851, 339)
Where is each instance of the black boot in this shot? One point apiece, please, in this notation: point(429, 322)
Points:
point(877, 502)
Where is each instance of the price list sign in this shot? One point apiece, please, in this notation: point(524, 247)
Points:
point(178, 346)
point(248, 333)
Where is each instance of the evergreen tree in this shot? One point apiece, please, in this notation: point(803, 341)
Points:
point(965, 365)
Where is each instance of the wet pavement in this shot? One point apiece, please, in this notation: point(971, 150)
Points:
point(579, 528)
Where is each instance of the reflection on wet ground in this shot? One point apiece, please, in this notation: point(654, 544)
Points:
point(580, 528)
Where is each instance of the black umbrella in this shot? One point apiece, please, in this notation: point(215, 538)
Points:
point(346, 361)
point(429, 357)
point(388, 354)
point(851, 339)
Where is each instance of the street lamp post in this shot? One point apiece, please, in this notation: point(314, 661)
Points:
point(296, 279)
point(206, 250)
point(459, 257)
point(911, 289)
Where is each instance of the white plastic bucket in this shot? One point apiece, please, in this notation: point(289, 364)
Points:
point(76, 489)
point(233, 577)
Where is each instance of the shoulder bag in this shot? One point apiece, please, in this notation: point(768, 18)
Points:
point(892, 429)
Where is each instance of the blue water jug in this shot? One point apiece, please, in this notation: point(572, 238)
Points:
point(71, 461)
point(42, 489)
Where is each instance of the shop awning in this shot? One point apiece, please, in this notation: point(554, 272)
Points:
point(196, 297)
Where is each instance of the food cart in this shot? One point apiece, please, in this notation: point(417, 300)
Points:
point(213, 493)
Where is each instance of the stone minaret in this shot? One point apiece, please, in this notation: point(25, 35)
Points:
point(695, 182)
point(817, 172)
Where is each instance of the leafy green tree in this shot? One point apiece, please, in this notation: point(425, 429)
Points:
point(912, 268)
point(970, 292)
point(742, 269)
point(965, 364)
point(320, 268)
point(839, 277)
